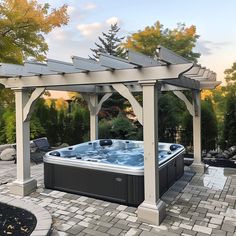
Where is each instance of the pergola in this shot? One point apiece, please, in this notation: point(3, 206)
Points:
point(139, 73)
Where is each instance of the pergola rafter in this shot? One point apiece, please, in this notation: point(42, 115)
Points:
point(139, 73)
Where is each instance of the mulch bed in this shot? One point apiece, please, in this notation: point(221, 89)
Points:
point(16, 221)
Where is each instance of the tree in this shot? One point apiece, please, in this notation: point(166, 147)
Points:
point(230, 75)
point(181, 40)
point(169, 116)
point(22, 25)
point(218, 98)
point(208, 127)
point(8, 127)
point(110, 44)
point(229, 134)
point(119, 127)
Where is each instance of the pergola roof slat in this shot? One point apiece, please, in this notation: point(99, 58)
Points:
point(199, 74)
point(170, 57)
point(142, 60)
point(13, 70)
point(169, 68)
point(115, 62)
point(87, 64)
point(37, 68)
point(61, 67)
point(193, 71)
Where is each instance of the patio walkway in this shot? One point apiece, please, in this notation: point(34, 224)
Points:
point(197, 205)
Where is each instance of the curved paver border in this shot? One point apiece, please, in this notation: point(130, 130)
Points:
point(44, 219)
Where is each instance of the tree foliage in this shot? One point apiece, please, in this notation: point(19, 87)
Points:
point(208, 127)
point(181, 40)
point(228, 137)
point(170, 114)
point(119, 127)
point(230, 75)
point(229, 134)
point(22, 25)
point(110, 43)
point(8, 127)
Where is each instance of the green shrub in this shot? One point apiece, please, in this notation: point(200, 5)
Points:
point(104, 129)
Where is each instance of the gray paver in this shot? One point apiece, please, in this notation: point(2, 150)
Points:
point(197, 205)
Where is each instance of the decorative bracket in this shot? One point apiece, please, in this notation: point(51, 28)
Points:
point(95, 108)
point(188, 104)
point(29, 106)
point(124, 91)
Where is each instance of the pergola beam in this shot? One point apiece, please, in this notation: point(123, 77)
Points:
point(100, 77)
point(184, 82)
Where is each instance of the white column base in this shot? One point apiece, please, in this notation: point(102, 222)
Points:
point(199, 167)
point(152, 213)
point(23, 188)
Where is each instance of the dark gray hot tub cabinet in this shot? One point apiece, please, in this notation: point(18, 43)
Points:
point(115, 187)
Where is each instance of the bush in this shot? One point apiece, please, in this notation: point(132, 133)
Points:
point(104, 129)
point(208, 127)
point(229, 134)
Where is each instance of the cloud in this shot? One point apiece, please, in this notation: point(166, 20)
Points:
point(206, 47)
point(58, 34)
point(93, 30)
point(89, 30)
point(77, 39)
point(70, 46)
point(112, 20)
point(71, 9)
point(89, 6)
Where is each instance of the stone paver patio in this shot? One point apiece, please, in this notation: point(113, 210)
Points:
point(197, 205)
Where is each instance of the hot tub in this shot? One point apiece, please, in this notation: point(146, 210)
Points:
point(110, 169)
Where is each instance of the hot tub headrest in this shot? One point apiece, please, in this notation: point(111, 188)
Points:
point(173, 147)
point(55, 153)
point(105, 142)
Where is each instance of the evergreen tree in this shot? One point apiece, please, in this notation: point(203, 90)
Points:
point(110, 44)
point(229, 134)
point(208, 127)
point(170, 112)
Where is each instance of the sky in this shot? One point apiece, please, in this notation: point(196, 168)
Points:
point(214, 20)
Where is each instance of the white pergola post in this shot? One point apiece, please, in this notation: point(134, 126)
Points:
point(198, 165)
point(93, 118)
point(152, 210)
point(24, 184)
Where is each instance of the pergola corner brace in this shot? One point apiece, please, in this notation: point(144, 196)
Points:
point(29, 106)
point(95, 108)
point(125, 92)
point(188, 104)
